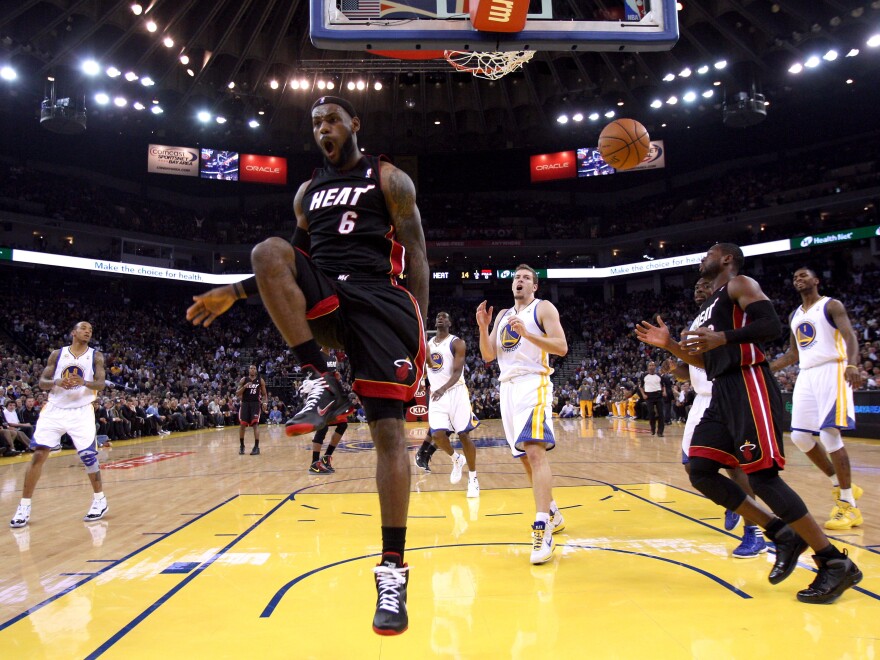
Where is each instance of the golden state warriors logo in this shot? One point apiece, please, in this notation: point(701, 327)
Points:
point(72, 370)
point(509, 338)
point(805, 334)
point(436, 362)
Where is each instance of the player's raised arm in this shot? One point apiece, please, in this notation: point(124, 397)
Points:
point(487, 340)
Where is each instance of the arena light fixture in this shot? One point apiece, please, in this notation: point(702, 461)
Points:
point(852, 52)
point(253, 123)
point(594, 116)
point(720, 64)
point(137, 9)
point(578, 116)
point(137, 105)
point(101, 98)
point(350, 85)
point(708, 93)
point(146, 81)
point(184, 59)
point(377, 86)
point(361, 85)
point(656, 103)
point(689, 96)
point(221, 120)
point(151, 26)
point(191, 73)
point(609, 114)
point(797, 67)
point(294, 84)
point(669, 77)
point(830, 56)
point(685, 73)
point(113, 72)
point(321, 84)
point(204, 116)
point(273, 84)
point(169, 42)
point(331, 84)
point(120, 102)
point(157, 110)
point(703, 69)
point(672, 100)
point(91, 68)
point(873, 41)
point(131, 76)
point(849, 81)
point(231, 85)
point(8, 73)
point(812, 62)
point(562, 119)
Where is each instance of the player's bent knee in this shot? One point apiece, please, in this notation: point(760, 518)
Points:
point(803, 440)
point(705, 477)
point(779, 496)
point(89, 458)
point(270, 252)
point(831, 439)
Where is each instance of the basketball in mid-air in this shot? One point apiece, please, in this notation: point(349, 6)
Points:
point(624, 143)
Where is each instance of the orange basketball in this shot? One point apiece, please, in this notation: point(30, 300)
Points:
point(624, 143)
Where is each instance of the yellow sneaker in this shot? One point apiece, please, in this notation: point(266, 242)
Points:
point(835, 493)
point(846, 517)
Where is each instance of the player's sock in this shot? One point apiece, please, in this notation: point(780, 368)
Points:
point(310, 356)
point(430, 450)
point(542, 517)
point(846, 494)
point(25, 501)
point(830, 553)
point(330, 450)
point(472, 474)
point(99, 496)
point(835, 482)
point(316, 456)
point(394, 540)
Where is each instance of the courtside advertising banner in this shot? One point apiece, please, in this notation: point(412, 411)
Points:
point(263, 169)
point(548, 167)
point(181, 161)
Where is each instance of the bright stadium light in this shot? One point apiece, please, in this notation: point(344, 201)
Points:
point(594, 116)
point(101, 98)
point(204, 116)
point(797, 67)
point(156, 110)
point(669, 77)
point(253, 123)
point(609, 114)
point(8, 73)
point(689, 97)
point(720, 64)
point(656, 103)
point(830, 56)
point(562, 119)
point(812, 62)
point(91, 68)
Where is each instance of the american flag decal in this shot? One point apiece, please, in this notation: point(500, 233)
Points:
point(360, 8)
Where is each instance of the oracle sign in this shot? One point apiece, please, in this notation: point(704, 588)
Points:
point(547, 167)
point(263, 169)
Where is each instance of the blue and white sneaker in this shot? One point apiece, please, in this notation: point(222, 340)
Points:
point(752, 545)
point(731, 519)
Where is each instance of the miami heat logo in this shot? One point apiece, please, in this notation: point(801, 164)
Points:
point(746, 451)
point(805, 334)
point(404, 366)
point(436, 363)
point(509, 338)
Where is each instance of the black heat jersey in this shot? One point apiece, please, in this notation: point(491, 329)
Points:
point(350, 229)
point(251, 391)
point(720, 313)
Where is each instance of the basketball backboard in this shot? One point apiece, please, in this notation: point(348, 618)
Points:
point(570, 25)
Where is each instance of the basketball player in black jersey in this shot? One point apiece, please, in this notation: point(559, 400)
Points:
point(743, 423)
point(251, 393)
point(337, 283)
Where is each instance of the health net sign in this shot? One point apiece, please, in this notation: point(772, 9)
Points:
point(548, 167)
point(263, 169)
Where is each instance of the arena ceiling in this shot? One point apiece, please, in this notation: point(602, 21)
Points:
point(423, 105)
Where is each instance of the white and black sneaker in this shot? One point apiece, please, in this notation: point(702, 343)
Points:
point(97, 510)
point(392, 579)
point(325, 401)
point(21, 517)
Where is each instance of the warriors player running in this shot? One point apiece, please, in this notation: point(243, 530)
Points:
point(73, 375)
point(522, 339)
point(251, 393)
point(450, 407)
point(825, 344)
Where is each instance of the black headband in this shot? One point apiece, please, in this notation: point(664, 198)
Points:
point(342, 103)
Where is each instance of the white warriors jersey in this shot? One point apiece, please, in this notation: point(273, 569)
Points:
point(818, 341)
point(70, 365)
point(518, 356)
point(699, 381)
point(440, 366)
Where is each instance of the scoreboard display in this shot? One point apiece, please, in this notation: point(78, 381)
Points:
point(476, 275)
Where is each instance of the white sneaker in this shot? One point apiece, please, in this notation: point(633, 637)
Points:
point(473, 488)
point(458, 462)
point(557, 522)
point(542, 543)
point(97, 510)
point(21, 517)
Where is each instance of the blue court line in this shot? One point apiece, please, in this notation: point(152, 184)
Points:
point(573, 506)
point(101, 560)
point(68, 574)
point(64, 592)
point(350, 513)
point(306, 506)
point(411, 517)
point(276, 599)
point(131, 625)
point(225, 534)
point(607, 497)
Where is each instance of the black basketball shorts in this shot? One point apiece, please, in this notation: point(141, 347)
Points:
point(743, 423)
point(375, 320)
point(249, 413)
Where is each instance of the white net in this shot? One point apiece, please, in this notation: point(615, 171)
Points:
point(488, 65)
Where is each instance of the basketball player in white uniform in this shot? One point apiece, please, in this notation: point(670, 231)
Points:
point(753, 543)
point(824, 342)
point(450, 406)
point(73, 375)
point(522, 338)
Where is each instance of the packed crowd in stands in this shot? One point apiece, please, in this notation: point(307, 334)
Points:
point(169, 376)
point(460, 216)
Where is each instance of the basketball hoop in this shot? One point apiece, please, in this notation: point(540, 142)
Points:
point(491, 66)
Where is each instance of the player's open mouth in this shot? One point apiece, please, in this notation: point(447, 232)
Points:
point(329, 147)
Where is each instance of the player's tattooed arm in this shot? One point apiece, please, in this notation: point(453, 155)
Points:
point(99, 381)
point(400, 198)
point(46, 378)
